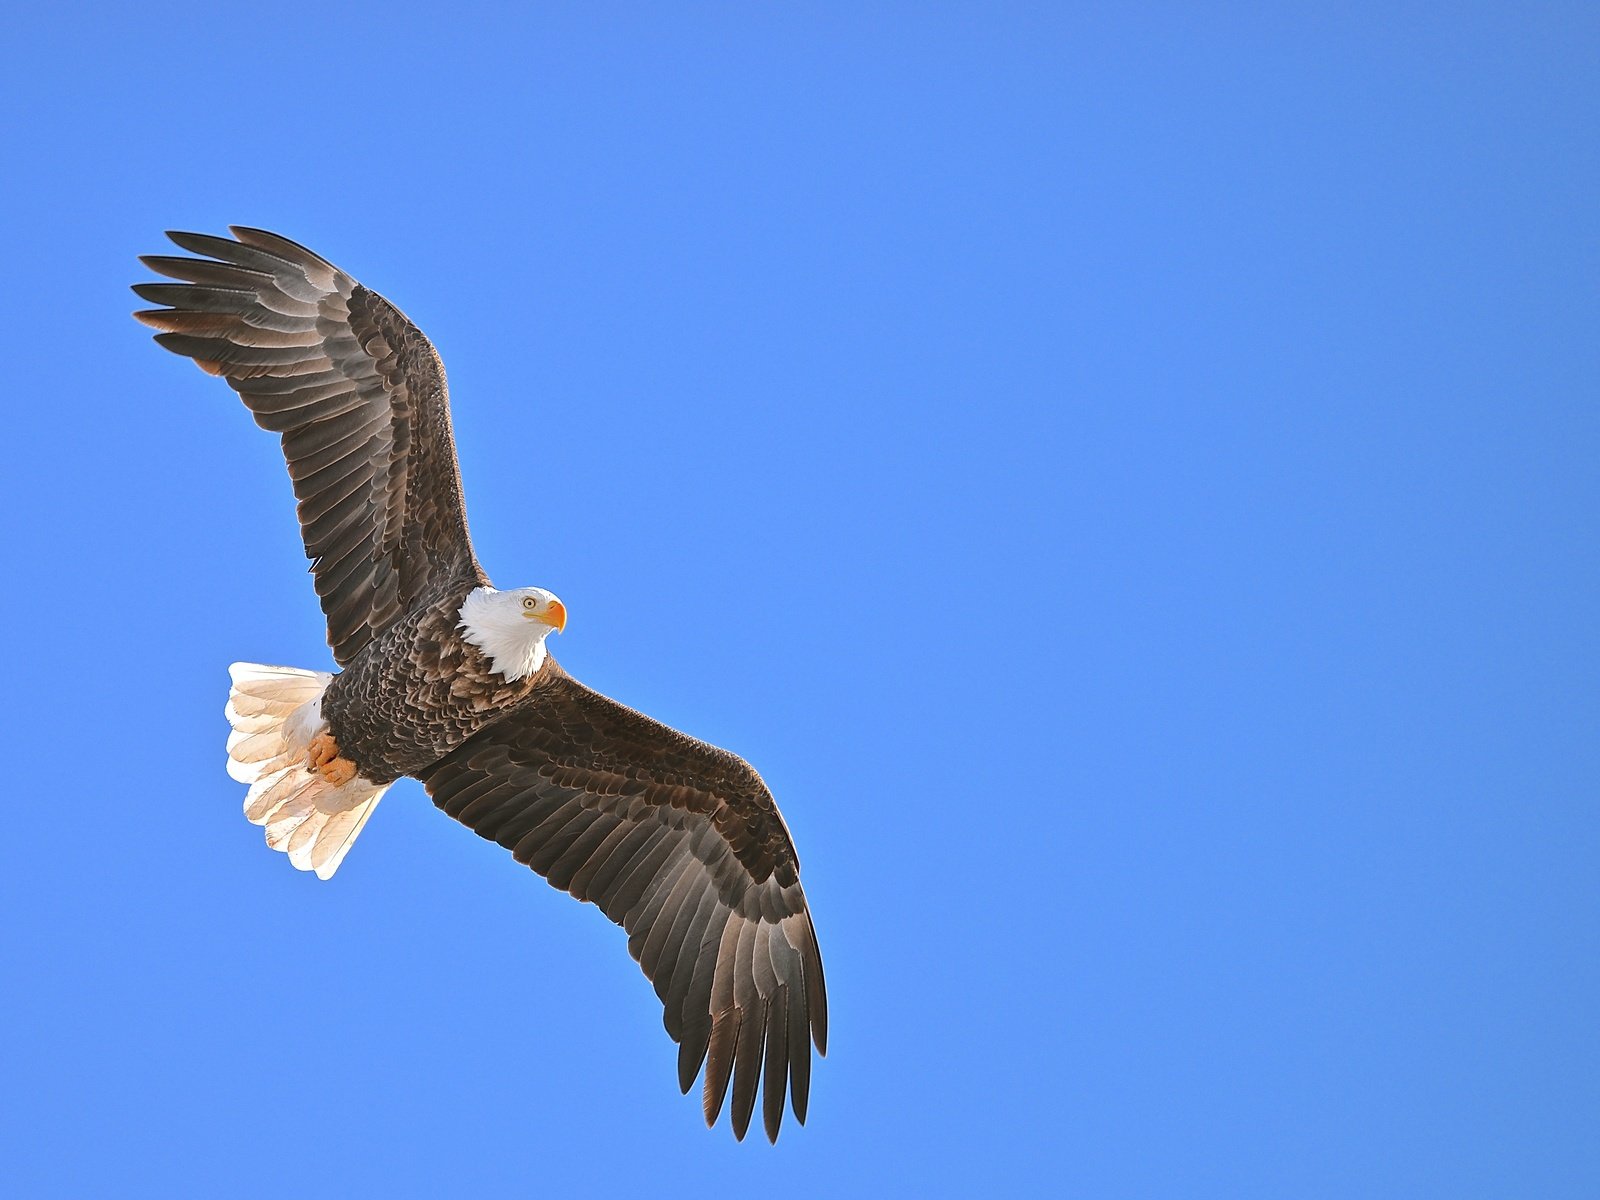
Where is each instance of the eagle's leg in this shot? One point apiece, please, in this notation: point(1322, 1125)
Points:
point(322, 758)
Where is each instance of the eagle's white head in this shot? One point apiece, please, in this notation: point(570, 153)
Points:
point(510, 627)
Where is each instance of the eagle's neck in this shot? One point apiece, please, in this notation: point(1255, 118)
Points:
point(494, 624)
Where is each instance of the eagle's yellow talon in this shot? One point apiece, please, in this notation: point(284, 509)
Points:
point(322, 758)
point(339, 772)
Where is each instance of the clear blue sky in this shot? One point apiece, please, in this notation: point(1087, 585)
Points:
point(1127, 477)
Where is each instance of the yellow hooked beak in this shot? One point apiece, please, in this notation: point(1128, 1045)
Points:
point(554, 615)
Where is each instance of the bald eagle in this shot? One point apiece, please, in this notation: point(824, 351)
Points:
point(447, 679)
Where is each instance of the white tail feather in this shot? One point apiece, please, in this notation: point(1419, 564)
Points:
point(275, 712)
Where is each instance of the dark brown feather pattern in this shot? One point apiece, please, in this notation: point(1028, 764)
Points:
point(677, 841)
point(358, 395)
point(681, 844)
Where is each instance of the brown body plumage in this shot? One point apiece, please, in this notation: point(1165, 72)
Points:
point(418, 692)
point(675, 840)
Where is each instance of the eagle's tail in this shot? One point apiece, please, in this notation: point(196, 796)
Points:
point(275, 713)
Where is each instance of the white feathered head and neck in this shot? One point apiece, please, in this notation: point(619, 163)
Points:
point(510, 627)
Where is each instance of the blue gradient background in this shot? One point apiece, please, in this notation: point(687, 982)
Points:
point(1125, 474)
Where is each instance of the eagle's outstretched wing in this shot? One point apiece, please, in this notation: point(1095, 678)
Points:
point(681, 844)
point(358, 394)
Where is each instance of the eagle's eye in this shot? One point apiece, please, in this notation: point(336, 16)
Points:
point(529, 602)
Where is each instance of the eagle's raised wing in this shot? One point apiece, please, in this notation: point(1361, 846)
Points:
point(681, 844)
point(358, 394)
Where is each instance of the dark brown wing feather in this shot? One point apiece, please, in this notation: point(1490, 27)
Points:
point(358, 394)
point(679, 843)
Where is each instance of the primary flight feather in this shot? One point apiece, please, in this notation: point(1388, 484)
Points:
point(448, 680)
